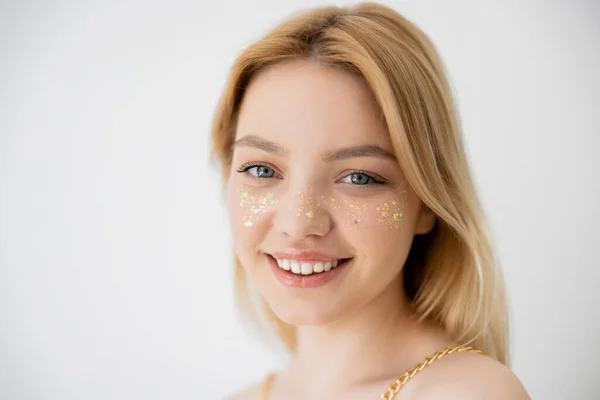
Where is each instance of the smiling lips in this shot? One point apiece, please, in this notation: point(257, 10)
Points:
point(305, 262)
point(305, 268)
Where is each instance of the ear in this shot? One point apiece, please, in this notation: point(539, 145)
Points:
point(425, 221)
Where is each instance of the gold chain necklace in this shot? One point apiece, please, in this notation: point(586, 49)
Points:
point(400, 381)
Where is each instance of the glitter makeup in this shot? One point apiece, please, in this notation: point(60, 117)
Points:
point(392, 211)
point(389, 212)
point(254, 205)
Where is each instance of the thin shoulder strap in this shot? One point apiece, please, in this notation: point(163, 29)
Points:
point(266, 387)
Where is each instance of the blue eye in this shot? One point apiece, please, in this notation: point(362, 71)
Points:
point(257, 170)
point(261, 171)
point(359, 178)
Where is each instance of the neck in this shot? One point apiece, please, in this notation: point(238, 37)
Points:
point(357, 348)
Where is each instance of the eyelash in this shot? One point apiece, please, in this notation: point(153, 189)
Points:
point(373, 179)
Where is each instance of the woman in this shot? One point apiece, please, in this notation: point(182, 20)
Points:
point(354, 213)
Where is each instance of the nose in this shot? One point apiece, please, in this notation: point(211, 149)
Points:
point(300, 215)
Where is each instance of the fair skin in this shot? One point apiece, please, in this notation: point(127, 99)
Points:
point(313, 169)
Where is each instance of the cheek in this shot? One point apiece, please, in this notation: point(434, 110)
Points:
point(385, 216)
point(392, 215)
point(248, 210)
point(379, 229)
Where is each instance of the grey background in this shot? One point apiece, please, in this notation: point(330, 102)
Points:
point(115, 275)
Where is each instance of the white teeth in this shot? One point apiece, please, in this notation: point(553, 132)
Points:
point(318, 267)
point(295, 267)
point(307, 267)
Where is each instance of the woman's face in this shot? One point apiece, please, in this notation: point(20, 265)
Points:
point(321, 216)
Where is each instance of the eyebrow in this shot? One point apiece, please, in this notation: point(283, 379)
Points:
point(328, 156)
point(357, 151)
point(260, 143)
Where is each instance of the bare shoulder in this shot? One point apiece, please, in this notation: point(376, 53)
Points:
point(248, 393)
point(468, 376)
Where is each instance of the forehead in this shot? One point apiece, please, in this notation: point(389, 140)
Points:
point(301, 103)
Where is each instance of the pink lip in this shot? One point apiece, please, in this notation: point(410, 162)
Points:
point(304, 255)
point(305, 281)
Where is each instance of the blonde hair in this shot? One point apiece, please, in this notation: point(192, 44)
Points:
point(451, 275)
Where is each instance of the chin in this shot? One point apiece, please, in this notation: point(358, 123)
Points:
point(304, 314)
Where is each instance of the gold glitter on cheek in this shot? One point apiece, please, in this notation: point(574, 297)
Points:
point(332, 202)
point(355, 212)
point(254, 205)
point(391, 212)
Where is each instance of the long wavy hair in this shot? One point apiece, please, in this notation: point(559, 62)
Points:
point(451, 275)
